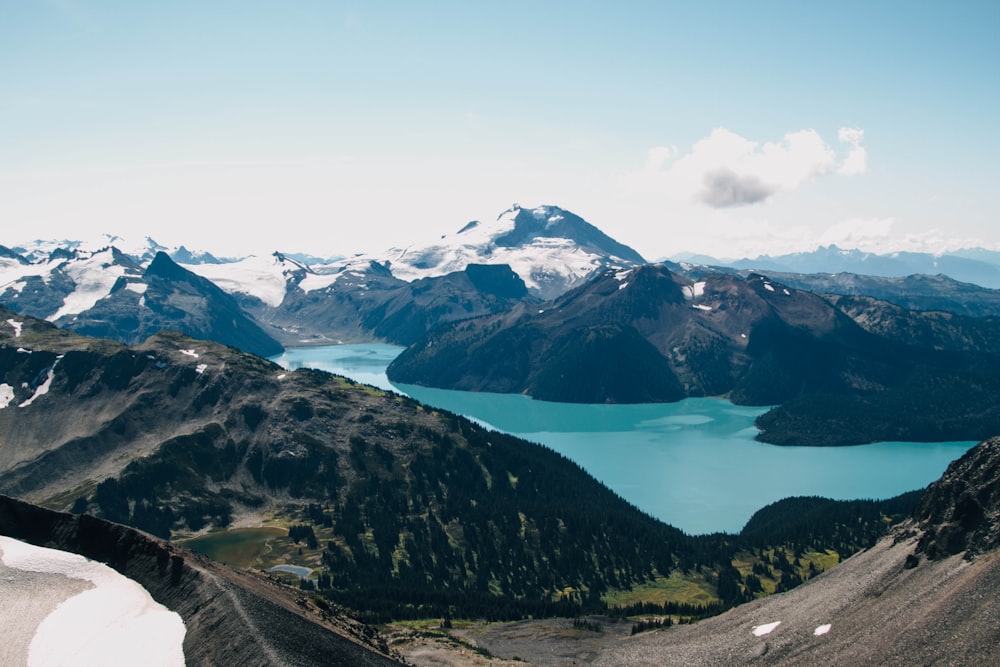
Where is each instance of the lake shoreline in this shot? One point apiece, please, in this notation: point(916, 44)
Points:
point(702, 468)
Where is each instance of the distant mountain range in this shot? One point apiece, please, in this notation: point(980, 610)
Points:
point(972, 265)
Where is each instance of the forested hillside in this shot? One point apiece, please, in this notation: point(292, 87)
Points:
point(414, 511)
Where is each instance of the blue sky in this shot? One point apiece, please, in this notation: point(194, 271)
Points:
point(335, 127)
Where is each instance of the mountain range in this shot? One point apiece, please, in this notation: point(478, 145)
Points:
point(842, 369)
point(972, 265)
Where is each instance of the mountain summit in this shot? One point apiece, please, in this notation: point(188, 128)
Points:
point(552, 249)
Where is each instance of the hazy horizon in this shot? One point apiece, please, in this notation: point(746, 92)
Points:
point(335, 128)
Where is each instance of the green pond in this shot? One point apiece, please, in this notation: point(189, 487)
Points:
point(242, 547)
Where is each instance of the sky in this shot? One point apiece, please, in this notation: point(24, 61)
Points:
point(725, 128)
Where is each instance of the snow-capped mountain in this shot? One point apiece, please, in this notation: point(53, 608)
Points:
point(142, 251)
point(551, 249)
point(67, 282)
point(107, 293)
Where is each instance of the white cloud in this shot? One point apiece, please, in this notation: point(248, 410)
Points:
point(861, 233)
point(856, 161)
point(725, 169)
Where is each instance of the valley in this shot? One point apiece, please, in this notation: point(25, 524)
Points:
point(526, 442)
point(674, 461)
point(414, 510)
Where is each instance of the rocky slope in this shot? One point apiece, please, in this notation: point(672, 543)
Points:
point(928, 595)
point(231, 617)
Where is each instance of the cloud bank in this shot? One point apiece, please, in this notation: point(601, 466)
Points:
point(726, 170)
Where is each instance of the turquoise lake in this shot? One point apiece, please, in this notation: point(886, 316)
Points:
point(693, 464)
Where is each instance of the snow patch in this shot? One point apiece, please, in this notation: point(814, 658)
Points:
point(190, 353)
point(138, 288)
point(787, 293)
point(701, 306)
point(23, 350)
point(766, 629)
point(6, 395)
point(694, 291)
point(263, 277)
point(314, 281)
point(822, 630)
point(43, 388)
point(200, 368)
point(769, 287)
point(94, 277)
point(19, 286)
point(16, 326)
point(115, 623)
point(281, 377)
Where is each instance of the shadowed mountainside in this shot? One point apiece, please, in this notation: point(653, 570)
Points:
point(648, 335)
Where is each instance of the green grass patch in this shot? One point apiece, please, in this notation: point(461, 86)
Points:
point(824, 561)
point(690, 589)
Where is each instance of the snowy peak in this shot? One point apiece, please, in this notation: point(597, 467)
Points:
point(550, 248)
point(552, 222)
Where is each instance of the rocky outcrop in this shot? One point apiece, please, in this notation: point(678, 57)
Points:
point(960, 513)
point(232, 618)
